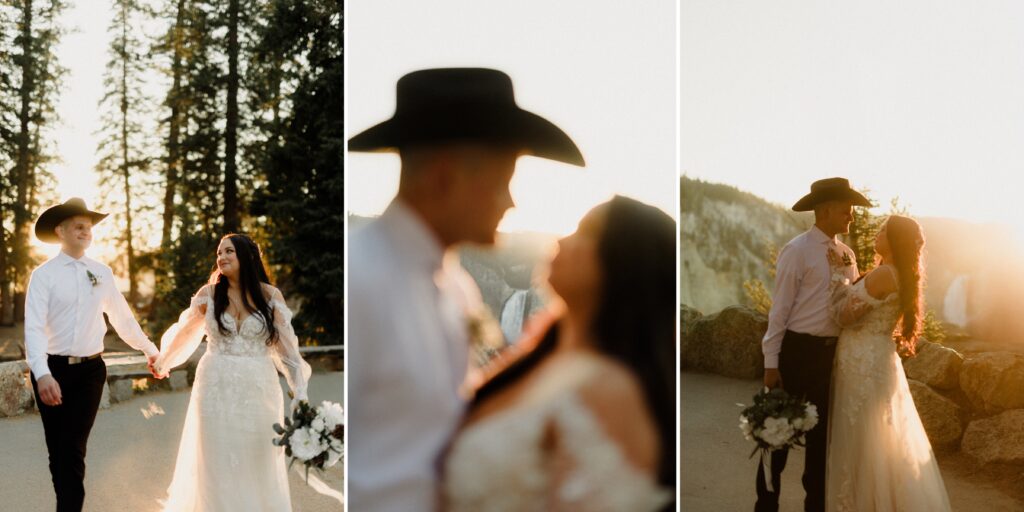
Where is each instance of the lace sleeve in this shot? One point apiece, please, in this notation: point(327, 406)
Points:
point(181, 339)
point(591, 472)
point(286, 354)
point(850, 302)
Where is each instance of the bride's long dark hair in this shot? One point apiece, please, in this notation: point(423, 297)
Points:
point(635, 319)
point(251, 274)
point(906, 241)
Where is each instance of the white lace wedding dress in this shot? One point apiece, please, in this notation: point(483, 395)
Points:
point(500, 463)
point(879, 457)
point(226, 458)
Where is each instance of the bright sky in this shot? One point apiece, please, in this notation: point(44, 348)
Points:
point(918, 99)
point(602, 71)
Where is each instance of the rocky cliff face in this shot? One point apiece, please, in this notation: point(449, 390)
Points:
point(726, 235)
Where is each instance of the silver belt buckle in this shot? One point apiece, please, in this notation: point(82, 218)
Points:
point(74, 360)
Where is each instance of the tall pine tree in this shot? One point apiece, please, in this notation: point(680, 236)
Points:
point(124, 149)
point(298, 73)
point(31, 94)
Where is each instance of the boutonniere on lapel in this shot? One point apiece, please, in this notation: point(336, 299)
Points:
point(847, 260)
point(93, 278)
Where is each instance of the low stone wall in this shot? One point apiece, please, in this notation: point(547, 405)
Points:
point(127, 376)
point(974, 404)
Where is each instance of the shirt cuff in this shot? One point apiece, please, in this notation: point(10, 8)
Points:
point(40, 370)
point(771, 361)
point(150, 349)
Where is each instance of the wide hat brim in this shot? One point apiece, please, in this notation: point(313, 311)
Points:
point(513, 127)
point(464, 105)
point(47, 223)
point(808, 202)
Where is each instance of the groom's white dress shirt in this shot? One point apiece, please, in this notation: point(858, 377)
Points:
point(408, 354)
point(64, 312)
point(801, 298)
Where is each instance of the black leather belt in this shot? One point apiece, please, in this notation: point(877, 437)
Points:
point(810, 338)
point(75, 359)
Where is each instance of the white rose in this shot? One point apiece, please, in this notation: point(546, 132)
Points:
point(746, 427)
point(317, 424)
point(777, 432)
point(810, 416)
point(305, 444)
point(798, 423)
point(332, 413)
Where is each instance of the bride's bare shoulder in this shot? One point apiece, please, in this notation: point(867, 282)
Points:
point(615, 396)
point(881, 282)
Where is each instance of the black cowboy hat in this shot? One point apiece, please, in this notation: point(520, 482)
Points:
point(464, 104)
point(830, 189)
point(54, 215)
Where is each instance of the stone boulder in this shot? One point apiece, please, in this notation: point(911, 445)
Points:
point(998, 438)
point(727, 343)
point(994, 382)
point(16, 395)
point(105, 397)
point(121, 390)
point(941, 416)
point(935, 365)
point(688, 318)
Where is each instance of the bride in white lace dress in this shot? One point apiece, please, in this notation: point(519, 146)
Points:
point(879, 457)
point(582, 416)
point(226, 459)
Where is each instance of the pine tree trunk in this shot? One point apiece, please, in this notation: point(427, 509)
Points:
point(6, 298)
point(174, 137)
point(125, 165)
point(21, 220)
point(231, 204)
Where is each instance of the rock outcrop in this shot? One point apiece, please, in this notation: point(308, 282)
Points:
point(16, 395)
point(999, 438)
point(941, 416)
point(994, 382)
point(935, 365)
point(727, 343)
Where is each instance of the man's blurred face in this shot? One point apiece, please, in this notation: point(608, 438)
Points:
point(75, 234)
point(479, 191)
point(838, 215)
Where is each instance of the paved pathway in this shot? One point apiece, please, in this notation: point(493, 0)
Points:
point(717, 475)
point(131, 457)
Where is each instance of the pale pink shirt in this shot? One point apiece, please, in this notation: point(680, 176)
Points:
point(64, 312)
point(407, 355)
point(801, 298)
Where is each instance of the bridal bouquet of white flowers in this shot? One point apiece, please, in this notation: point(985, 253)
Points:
point(777, 420)
point(313, 435)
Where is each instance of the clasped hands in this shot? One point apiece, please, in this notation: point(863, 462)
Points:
point(151, 365)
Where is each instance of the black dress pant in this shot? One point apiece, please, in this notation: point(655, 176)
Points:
point(67, 426)
point(805, 364)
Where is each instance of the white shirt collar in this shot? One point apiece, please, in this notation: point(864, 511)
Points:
point(420, 244)
point(65, 259)
point(820, 236)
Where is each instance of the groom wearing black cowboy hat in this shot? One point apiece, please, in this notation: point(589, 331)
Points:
point(458, 133)
point(800, 344)
point(64, 330)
